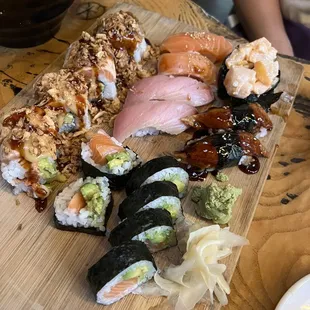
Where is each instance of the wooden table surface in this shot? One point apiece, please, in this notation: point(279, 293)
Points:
point(279, 253)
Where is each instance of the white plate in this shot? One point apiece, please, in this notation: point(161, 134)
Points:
point(297, 297)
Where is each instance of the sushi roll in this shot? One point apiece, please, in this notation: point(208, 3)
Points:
point(121, 271)
point(159, 194)
point(93, 58)
point(105, 156)
point(164, 168)
point(153, 227)
point(250, 73)
point(125, 34)
point(84, 206)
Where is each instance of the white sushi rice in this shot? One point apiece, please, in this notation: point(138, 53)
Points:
point(13, 172)
point(139, 52)
point(119, 170)
point(173, 202)
point(119, 278)
point(167, 175)
point(262, 133)
point(151, 131)
point(84, 218)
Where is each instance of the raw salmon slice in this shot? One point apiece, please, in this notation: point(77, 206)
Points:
point(215, 47)
point(188, 64)
point(119, 288)
point(77, 202)
point(102, 145)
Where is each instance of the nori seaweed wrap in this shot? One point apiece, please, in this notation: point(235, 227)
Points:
point(124, 267)
point(153, 227)
point(159, 194)
point(164, 168)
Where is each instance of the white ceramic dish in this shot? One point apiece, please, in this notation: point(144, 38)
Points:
point(297, 297)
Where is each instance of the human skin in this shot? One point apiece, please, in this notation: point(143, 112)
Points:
point(263, 18)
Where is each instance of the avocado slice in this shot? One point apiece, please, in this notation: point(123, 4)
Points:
point(171, 210)
point(136, 273)
point(92, 195)
point(47, 168)
point(176, 180)
point(117, 159)
point(158, 236)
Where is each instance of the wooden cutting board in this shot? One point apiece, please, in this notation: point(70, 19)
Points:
point(43, 268)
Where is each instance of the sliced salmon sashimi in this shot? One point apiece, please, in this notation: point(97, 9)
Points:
point(188, 64)
point(215, 47)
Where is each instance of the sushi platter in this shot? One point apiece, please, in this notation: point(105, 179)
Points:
point(106, 149)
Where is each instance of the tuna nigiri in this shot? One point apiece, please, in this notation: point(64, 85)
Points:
point(151, 118)
point(188, 64)
point(161, 87)
point(215, 47)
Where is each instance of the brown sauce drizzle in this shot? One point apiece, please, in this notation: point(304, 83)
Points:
point(252, 167)
point(40, 204)
point(56, 106)
point(128, 43)
point(195, 173)
point(13, 119)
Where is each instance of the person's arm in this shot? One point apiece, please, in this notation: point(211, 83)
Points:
point(263, 18)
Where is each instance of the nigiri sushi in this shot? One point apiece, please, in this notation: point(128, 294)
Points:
point(164, 88)
point(221, 150)
point(103, 155)
point(249, 117)
point(152, 118)
point(124, 33)
point(93, 58)
point(251, 71)
point(215, 47)
point(188, 64)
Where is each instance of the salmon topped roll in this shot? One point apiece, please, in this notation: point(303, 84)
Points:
point(84, 206)
point(93, 57)
point(215, 47)
point(103, 155)
point(249, 73)
point(188, 64)
point(121, 271)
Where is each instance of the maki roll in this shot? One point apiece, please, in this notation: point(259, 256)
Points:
point(84, 206)
point(105, 156)
point(153, 227)
point(160, 194)
point(164, 168)
point(121, 271)
point(249, 72)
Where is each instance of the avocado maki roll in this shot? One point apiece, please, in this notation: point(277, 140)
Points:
point(121, 271)
point(84, 206)
point(159, 194)
point(153, 227)
point(250, 74)
point(164, 168)
point(105, 156)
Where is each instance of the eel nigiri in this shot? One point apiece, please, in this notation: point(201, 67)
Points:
point(221, 150)
point(249, 117)
point(215, 47)
point(188, 64)
point(93, 57)
point(151, 118)
point(161, 87)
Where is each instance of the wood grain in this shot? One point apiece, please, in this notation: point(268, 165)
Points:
point(250, 290)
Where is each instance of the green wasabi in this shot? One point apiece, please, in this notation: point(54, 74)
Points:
point(215, 203)
point(221, 177)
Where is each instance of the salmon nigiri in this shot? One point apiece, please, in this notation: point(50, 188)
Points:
point(215, 47)
point(188, 64)
point(102, 145)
